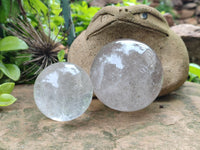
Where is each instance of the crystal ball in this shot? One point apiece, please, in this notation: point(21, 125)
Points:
point(126, 75)
point(63, 91)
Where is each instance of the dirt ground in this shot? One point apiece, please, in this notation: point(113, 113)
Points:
point(170, 123)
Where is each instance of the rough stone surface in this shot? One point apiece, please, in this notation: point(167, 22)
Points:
point(172, 122)
point(63, 91)
point(191, 36)
point(198, 11)
point(187, 30)
point(197, 1)
point(187, 1)
point(154, 3)
point(169, 19)
point(186, 13)
point(126, 75)
point(177, 4)
point(190, 6)
point(198, 20)
point(192, 21)
point(112, 23)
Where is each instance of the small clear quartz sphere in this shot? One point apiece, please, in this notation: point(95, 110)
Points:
point(63, 91)
point(126, 75)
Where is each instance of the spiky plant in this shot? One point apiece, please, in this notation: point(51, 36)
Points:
point(42, 47)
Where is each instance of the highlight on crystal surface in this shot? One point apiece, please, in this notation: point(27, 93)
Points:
point(63, 91)
point(126, 75)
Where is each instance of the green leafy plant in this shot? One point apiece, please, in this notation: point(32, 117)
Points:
point(61, 56)
point(8, 8)
point(146, 2)
point(5, 97)
point(47, 13)
point(82, 15)
point(194, 73)
point(10, 43)
point(40, 26)
point(128, 3)
point(11, 71)
point(134, 2)
point(165, 6)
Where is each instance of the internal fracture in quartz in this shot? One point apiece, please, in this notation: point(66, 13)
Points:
point(126, 75)
point(63, 91)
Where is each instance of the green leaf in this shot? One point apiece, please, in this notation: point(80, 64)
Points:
point(58, 20)
point(79, 29)
point(35, 6)
point(61, 56)
point(10, 70)
point(4, 10)
point(7, 88)
point(192, 76)
point(82, 15)
point(10, 43)
point(8, 8)
point(1, 58)
point(194, 69)
point(7, 99)
point(55, 8)
point(20, 59)
point(146, 2)
point(1, 74)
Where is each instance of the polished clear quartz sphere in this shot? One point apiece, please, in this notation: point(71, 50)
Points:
point(126, 75)
point(63, 91)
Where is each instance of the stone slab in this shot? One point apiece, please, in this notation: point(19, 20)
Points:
point(190, 34)
point(170, 123)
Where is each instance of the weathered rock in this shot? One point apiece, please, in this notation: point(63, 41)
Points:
point(190, 6)
point(198, 11)
point(186, 13)
point(191, 36)
point(187, 30)
point(112, 23)
point(169, 19)
point(198, 20)
point(154, 4)
point(170, 123)
point(187, 1)
point(178, 4)
point(180, 21)
point(191, 21)
point(197, 1)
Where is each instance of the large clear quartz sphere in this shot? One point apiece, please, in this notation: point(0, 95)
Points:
point(63, 91)
point(126, 75)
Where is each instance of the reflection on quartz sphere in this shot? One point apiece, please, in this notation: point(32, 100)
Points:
point(126, 75)
point(63, 91)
